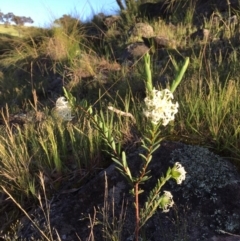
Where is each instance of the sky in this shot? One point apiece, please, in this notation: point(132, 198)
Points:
point(44, 12)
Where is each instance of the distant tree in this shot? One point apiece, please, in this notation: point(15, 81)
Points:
point(21, 20)
point(17, 20)
point(10, 17)
point(1, 17)
point(7, 18)
point(68, 23)
point(29, 20)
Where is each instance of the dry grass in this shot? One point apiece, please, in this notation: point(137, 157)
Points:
point(208, 98)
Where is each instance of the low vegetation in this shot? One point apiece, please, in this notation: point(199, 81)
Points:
point(84, 62)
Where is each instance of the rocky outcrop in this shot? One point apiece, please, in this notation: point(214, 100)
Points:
point(206, 204)
point(159, 42)
point(202, 8)
point(135, 51)
point(140, 30)
point(141, 39)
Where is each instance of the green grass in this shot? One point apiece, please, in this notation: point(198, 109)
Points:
point(9, 30)
point(14, 31)
point(208, 98)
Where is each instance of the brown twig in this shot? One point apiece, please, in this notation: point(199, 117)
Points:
point(122, 113)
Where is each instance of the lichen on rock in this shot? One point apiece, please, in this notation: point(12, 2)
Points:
point(206, 171)
point(211, 186)
point(140, 30)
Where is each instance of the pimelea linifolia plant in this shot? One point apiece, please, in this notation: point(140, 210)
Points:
point(159, 111)
point(63, 108)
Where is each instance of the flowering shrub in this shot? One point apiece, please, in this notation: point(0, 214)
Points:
point(159, 106)
point(63, 109)
point(159, 110)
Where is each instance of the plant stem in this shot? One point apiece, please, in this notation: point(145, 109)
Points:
point(136, 185)
point(137, 212)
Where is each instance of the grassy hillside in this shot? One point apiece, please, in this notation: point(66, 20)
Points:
point(103, 68)
point(10, 30)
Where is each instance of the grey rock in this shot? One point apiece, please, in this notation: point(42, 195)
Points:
point(110, 20)
point(208, 200)
point(159, 42)
point(140, 30)
point(135, 51)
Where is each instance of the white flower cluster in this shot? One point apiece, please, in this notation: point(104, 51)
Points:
point(178, 173)
point(159, 106)
point(166, 201)
point(63, 109)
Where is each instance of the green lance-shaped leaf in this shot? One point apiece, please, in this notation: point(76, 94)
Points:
point(148, 73)
point(71, 99)
point(155, 148)
point(124, 175)
point(117, 161)
point(179, 75)
point(146, 139)
point(111, 141)
point(124, 159)
point(146, 148)
point(144, 179)
point(143, 157)
point(96, 119)
point(169, 171)
point(113, 145)
point(140, 191)
point(119, 147)
point(125, 165)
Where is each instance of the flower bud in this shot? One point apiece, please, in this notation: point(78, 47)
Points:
point(166, 201)
point(178, 173)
